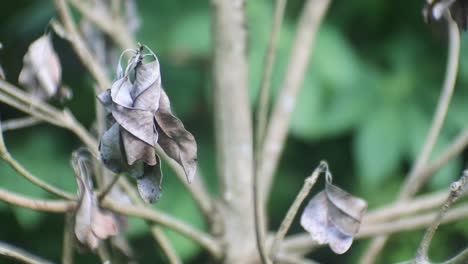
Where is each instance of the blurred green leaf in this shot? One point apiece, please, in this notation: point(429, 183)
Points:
point(379, 145)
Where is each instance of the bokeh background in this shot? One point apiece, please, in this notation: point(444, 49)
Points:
point(366, 104)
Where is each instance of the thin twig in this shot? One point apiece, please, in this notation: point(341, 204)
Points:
point(113, 26)
point(55, 206)
point(275, 136)
point(414, 182)
point(62, 206)
point(20, 254)
point(109, 187)
point(262, 116)
point(201, 238)
point(461, 258)
point(79, 46)
point(288, 219)
point(455, 192)
point(5, 155)
point(165, 245)
point(19, 123)
point(67, 248)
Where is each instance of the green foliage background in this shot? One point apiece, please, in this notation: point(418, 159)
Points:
point(365, 106)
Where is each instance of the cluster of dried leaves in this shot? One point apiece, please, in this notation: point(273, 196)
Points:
point(333, 216)
point(140, 117)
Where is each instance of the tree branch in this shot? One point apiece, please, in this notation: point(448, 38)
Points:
point(20, 254)
point(18, 123)
point(309, 23)
point(284, 227)
point(262, 116)
point(414, 181)
point(233, 128)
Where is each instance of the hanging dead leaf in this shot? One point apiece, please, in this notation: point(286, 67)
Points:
point(91, 223)
point(142, 118)
point(41, 73)
point(333, 217)
point(174, 139)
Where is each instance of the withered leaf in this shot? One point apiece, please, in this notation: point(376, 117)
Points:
point(333, 217)
point(41, 73)
point(174, 139)
point(91, 223)
point(141, 117)
point(149, 180)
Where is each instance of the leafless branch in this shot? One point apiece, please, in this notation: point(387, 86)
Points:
point(309, 22)
point(20, 254)
point(5, 155)
point(414, 181)
point(262, 116)
point(455, 192)
point(19, 123)
point(284, 227)
point(233, 127)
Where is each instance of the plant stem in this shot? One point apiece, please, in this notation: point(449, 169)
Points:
point(288, 219)
point(20, 254)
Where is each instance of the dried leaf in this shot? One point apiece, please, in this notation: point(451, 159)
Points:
point(91, 223)
point(41, 72)
point(333, 216)
point(149, 180)
point(174, 139)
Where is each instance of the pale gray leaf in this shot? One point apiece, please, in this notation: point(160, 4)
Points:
point(339, 242)
point(174, 139)
point(314, 218)
point(41, 72)
point(353, 206)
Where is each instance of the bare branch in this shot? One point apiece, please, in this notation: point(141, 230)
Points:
point(19, 123)
point(113, 26)
point(201, 238)
point(79, 46)
point(56, 206)
point(414, 181)
point(262, 116)
point(233, 127)
point(5, 155)
point(309, 23)
point(284, 227)
point(455, 192)
point(20, 254)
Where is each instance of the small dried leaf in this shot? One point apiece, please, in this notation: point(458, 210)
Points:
point(139, 123)
point(41, 72)
point(91, 223)
point(174, 139)
point(149, 180)
point(147, 79)
point(333, 216)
